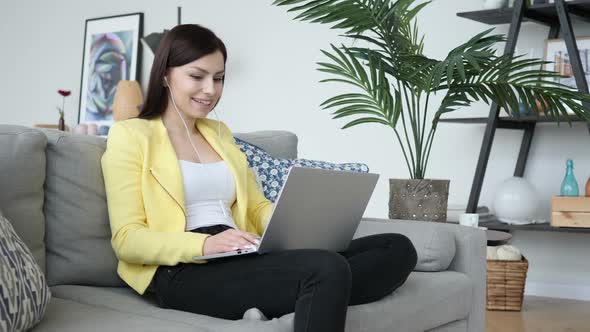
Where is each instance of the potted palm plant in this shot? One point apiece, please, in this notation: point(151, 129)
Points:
point(395, 81)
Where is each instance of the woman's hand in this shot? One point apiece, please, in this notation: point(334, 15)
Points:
point(229, 240)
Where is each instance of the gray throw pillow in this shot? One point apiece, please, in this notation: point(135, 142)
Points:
point(24, 293)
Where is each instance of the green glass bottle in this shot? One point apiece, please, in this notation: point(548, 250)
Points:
point(569, 186)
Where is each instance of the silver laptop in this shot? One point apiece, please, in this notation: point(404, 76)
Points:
point(316, 209)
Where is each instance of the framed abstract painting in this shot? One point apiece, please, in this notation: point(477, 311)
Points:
point(112, 52)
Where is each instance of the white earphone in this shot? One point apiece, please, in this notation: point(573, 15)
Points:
point(186, 127)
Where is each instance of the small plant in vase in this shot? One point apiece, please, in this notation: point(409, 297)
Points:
point(62, 123)
point(396, 83)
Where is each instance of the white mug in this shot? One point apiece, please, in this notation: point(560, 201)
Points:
point(469, 219)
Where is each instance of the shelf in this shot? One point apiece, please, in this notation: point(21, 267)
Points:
point(514, 123)
point(499, 226)
point(542, 13)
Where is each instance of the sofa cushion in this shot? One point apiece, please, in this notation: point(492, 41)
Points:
point(425, 301)
point(125, 300)
point(435, 246)
point(23, 290)
point(22, 173)
point(70, 316)
point(272, 172)
point(403, 310)
point(280, 144)
point(78, 232)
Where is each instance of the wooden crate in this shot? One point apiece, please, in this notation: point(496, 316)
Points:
point(505, 284)
point(570, 212)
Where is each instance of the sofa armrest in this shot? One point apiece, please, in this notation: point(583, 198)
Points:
point(469, 258)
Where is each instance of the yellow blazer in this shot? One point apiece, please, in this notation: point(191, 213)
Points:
point(145, 197)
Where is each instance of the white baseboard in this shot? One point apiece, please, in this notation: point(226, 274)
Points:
point(574, 292)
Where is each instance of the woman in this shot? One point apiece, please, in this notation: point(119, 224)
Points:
point(178, 187)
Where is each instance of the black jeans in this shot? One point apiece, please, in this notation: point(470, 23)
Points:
point(317, 285)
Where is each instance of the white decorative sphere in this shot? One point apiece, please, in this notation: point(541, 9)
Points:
point(516, 202)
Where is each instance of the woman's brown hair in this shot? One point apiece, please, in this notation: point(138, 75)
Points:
point(181, 45)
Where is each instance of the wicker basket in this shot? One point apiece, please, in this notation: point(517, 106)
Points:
point(505, 284)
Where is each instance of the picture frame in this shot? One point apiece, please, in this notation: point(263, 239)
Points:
point(556, 53)
point(112, 52)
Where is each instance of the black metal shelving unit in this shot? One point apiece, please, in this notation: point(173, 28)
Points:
point(557, 16)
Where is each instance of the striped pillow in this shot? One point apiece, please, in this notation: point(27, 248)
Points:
point(24, 294)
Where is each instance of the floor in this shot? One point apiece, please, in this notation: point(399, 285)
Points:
point(542, 314)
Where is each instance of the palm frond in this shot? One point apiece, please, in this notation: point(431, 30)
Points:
point(355, 16)
point(375, 103)
point(414, 69)
point(509, 81)
point(465, 60)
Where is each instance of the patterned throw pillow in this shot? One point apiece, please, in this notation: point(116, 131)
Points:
point(272, 172)
point(24, 294)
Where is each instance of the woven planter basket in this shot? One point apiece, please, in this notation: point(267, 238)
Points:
point(505, 284)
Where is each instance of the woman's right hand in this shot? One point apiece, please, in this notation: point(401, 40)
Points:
point(229, 240)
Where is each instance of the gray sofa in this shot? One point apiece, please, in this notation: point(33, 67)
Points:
point(53, 193)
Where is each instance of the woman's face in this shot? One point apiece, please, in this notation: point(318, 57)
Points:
point(197, 86)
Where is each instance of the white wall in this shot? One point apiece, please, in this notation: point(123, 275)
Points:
point(272, 84)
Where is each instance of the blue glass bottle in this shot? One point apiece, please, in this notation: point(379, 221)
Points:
point(569, 186)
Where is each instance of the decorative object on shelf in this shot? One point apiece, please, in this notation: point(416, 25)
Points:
point(469, 219)
point(62, 123)
point(127, 101)
point(587, 193)
point(395, 79)
point(418, 199)
point(81, 129)
point(570, 212)
point(103, 130)
point(517, 202)
point(92, 129)
point(569, 185)
point(494, 4)
point(522, 110)
point(454, 212)
point(112, 52)
point(558, 60)
point(541, 106)
point(153, 39)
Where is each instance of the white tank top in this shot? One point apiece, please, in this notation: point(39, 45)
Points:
point(209, 193)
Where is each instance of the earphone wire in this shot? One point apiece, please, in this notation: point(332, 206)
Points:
point(183, 122)
point(189, 137)
point(186, 126)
